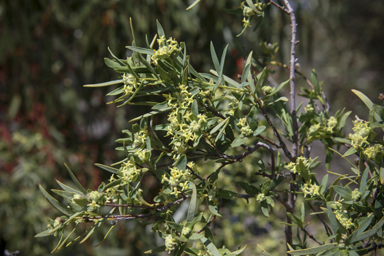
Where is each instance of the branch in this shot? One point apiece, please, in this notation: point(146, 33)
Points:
point(279, 6)
point(327, 229)
point(195, 174)
point(295, 145)
point(375, 247)
point(292, 78)
point(137, 216)
point(277, 134)
point(129, 206)
point(212, 218)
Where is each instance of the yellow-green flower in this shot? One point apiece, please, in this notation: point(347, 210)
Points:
point(308, 108)
point(372, 151)
point(260, 197)
point(356, 194)
point(267, 89)
point(311, 190)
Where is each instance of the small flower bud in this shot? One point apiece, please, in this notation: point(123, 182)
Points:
point(248, 12)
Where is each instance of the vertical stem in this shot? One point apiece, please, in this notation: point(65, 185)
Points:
point(292, 77)
point(295, 146)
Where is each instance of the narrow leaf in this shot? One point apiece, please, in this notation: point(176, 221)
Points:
point(77, 183)
point(313, 250)
point(315, 81)
point(210, 247)
point(152, 113)
point(181, 163)
point(104, 84)
point(263, 251)
point(364, 98)
point(107, 168)
point(224, 122)
point(214, 209)
point(55, 203)
point(226, 194)
point(239, 140)
point(214, 58)
point(160, 30)
point(69, 189)
point(157, 250)
point(193, 4)
point(192, 205)
point(279, 88)
point(244, 76)
point(372, 231)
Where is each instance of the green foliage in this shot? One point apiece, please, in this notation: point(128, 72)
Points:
point(200, 126)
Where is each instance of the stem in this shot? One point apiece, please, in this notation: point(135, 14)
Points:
point(280, 7)
point(292, 78)
point(295, 146)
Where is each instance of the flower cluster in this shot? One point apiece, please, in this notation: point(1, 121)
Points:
point(139, 138)
point(170, 243)
point(177, 180)
point(342, 215)
point(331, 123)
point(322, 127)
point(185, 231)
point(372, 151)
point(267, 89)
point(166, 48)
point(95, 197)
point(293, 166)
point(260, 197)
point(248, 12)
point(313, 129)
point(361, 132)
point(356, 194)
point(310, 190)
point(130, 83)
point(143, 154)
point(183, 98)
point(128, 172)
point(245, 129)
point(184, 125)
point(308, 108)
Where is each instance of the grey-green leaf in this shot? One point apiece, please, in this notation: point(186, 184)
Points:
point(192, 205)
point(276, 90)
point(77, 183)
point(313, 250)
point(104, 84)
point(210, 247)
point(160, 30)
point(107, 168)
point(55, 203)
point(193, 4)
point(364, 98)
point(141, 50)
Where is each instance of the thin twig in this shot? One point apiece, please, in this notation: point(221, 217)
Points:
point(269, 141)
point(295, 145)
point(279, 6)
point(129, 206)
point(327, 229)
point(195, 174)
point(245, 196)
point(309, 235)
point(284, 203)
point(212, 219)
point(296, 71)
point(292, 80)
point(277, 134)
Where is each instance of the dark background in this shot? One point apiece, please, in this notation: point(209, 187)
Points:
point(49, 49)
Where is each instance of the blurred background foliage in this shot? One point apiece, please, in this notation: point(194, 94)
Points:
point(49, 49)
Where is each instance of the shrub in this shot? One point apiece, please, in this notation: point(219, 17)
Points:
point(206, 130)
